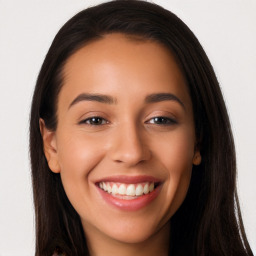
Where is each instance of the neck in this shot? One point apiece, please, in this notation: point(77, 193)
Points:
point(157, 244)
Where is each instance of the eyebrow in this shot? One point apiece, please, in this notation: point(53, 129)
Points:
point(158, 97)
point(152, 98)
point(93, 97)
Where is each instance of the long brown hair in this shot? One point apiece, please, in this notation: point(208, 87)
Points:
point(209, 220)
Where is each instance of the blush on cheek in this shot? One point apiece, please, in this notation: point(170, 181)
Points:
point(79, 153)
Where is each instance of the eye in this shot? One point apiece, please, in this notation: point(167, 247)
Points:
point(161, 120)
point(95, 120)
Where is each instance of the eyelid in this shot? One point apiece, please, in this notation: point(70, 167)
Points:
point(170, 120)
point(93, 114)
point(170, 115)
point(85, 120)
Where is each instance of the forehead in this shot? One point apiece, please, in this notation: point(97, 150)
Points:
point(122, 50)
point(117, 62)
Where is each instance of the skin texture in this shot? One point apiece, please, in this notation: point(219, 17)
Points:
point(126, 141)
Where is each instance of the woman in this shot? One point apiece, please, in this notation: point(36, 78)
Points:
point(128, 122)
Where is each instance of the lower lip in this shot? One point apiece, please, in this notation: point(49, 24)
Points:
point(132, 204)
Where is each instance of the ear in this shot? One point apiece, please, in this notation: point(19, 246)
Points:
point(50, 147)
point(197, 158)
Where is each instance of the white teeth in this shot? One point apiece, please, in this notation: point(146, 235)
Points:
point(122, 190)
point(132, 190)
point(139, 190)
point(109, 188)
point(151, 187)
point(114, 189)
point(146, 189)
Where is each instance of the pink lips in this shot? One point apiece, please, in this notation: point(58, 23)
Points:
point(132, 204)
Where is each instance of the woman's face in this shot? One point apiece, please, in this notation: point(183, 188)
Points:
point(125, 140)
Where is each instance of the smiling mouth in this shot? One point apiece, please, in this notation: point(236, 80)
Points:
point(127, 191)
point(131, 190)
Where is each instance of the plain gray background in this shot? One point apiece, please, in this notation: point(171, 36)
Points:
point(225, 28)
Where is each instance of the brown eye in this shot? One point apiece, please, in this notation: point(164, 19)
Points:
point(94, 121)
point(161, 120)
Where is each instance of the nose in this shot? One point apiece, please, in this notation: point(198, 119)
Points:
point(129, 146)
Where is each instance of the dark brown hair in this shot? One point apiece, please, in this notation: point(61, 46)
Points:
point(209, 220)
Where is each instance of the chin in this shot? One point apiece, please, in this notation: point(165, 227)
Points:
point(132, 232)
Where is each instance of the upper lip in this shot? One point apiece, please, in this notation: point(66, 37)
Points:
point(129, 179)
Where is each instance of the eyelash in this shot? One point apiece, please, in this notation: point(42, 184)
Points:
point(94, 121)
point(158, 120)
point(162, 120)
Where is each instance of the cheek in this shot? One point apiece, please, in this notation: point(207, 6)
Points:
point(177, 155)
point(176, 151)
point(77, 156)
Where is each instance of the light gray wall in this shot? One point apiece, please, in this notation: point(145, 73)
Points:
point(227, 31)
